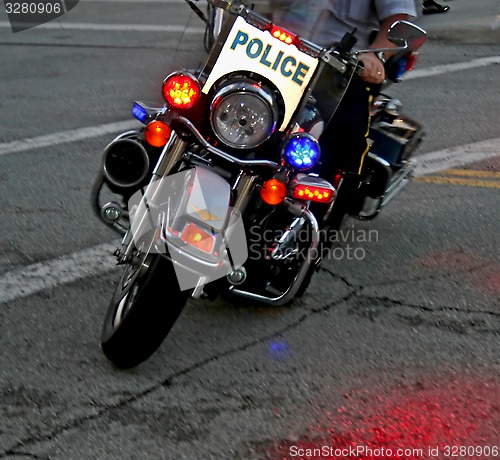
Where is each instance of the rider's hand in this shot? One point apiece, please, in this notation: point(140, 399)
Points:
point(373, 71)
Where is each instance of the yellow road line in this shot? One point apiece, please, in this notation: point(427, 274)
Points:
point(471, 172)
point(458, 181)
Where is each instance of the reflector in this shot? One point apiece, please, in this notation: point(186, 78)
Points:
point(197, 237)
point(412, 60)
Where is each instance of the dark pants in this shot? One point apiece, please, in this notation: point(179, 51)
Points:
point(344, 145)
point(344, 140)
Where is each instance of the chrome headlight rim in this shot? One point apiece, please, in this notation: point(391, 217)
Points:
point(245, 88)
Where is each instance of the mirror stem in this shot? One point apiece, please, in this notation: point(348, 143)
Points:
point(383, 50)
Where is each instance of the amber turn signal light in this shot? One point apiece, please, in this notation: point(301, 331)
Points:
point(157, 133)
point(273, 192)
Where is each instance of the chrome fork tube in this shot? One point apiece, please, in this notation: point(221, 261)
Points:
point(244, 189)
point(218, 21)
point(172, 153)
point(170, 156)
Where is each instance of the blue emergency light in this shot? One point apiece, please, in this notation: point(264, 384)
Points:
point(139, 112)
point(301, 151)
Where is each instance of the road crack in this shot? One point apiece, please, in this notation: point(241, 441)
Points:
point(26, 454)
point(426, 311)
point(454, 319)
point(355, 292)
point(168, 381)
point(398, 303)
point(431, 276)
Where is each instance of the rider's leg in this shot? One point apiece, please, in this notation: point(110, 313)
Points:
point(344, 145)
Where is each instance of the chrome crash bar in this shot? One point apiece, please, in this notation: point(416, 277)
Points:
point(312, 256)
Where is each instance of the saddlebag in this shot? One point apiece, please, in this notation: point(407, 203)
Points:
point(394, 138)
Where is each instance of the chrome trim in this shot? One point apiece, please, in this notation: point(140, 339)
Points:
point(238, 276)
point(218, 21)
point(381, 162)
point(168, 159)
point(400, 181)
point(108, 175)
point(118, 227)
point(243, 191)
point(111, 205)
point(288, 295)
point(244, 88)
point(332, 60)
point(198, 290)
point(222, 154)
point(382, 50)
point(289, 233)
point(171, 154)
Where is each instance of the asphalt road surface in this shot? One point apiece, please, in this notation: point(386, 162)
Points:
point(395, 346)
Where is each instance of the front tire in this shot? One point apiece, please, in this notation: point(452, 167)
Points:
point(146, 303)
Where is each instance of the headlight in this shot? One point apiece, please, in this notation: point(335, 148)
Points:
point(301, 151)
point(243, 115)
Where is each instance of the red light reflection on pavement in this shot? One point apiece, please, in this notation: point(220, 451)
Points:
point(485, 273)
point(451, 259)
point(490, 283)
point(458, 413)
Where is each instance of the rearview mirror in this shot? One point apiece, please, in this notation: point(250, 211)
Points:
point(406, 34)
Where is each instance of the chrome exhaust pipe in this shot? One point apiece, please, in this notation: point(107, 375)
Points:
point(125, 164)
point(400, 181)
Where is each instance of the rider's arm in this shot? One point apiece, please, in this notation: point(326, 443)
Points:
point(373, 67)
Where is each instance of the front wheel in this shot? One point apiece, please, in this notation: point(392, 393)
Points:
point(146, 303)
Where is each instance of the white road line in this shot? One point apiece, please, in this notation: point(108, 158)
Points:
point(95, 131)
point(47, 275)
point(168, 2)
point(97, 260)
point(200, 3)
point(115, 27)
point(63, 137)
point(448, 68)
point(463, 154)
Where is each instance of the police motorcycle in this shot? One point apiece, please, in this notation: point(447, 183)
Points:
point(213, 195)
